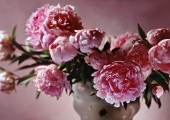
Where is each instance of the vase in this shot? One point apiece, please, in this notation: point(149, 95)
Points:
point(93, 108)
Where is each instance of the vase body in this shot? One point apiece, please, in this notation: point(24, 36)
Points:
point(93, 108)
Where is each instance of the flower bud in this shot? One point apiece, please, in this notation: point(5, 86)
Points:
point(6, 48)
point(158, 91)
point(87, 40)
point(7, 82)
point(61, 50)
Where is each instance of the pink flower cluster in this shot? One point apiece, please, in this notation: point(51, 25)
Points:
point(50, 22)
point(59, 30)
point(133, 49)
point(121, 64)
point(115, 79)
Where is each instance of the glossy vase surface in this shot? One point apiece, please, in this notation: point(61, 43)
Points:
point(93, 108)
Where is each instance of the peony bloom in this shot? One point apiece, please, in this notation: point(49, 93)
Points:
point(87, 40)
point(7, 82)
point(156, 35)
point(51, 80)
point(61, 50)
point(131, 43)
point(120, 40)
point(158, 91)
point(47, 40)
point(159, 56)
point(6, 48)
point(136, 50)
point(98, 59)
point(119, 82)
point(125, 43)
point(139, 55)
point(35, 30)
point(61, 21)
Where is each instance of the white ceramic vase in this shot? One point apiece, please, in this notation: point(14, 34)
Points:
point(93, 108)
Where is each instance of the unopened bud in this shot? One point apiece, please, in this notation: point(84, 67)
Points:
point(7, 82)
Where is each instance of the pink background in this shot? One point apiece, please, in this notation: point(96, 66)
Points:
point(113, 16)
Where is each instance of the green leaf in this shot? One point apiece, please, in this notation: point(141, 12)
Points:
point(25, 79)
point(154, 82)
point(106, 46)
point(20, 58)
point(92, 93)
point(5, 70)
point(62, 67)
point(148, 95)
point(143, 35)
point(32, 72)
point(125, 105)
point(160, 79)
point(85, 72)
point(26, 84)
point(14, 33)
point(19, 46)
point(162, 75)
point(80, 53)
point(115, 50)
point(44, 56)
point(14, 59)
point(27, 47)
point(38, 94)
point(29, 66)
point(157, 100)
point(148, 99)
point(74, 80)
point(162, 83)
point(141, 32)
point(23, 57)
point(45, 52)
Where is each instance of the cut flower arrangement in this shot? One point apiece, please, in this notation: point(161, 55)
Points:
point(120, 68)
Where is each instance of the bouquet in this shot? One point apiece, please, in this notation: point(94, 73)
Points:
point(121, 68)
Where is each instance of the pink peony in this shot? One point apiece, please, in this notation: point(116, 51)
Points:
point(34, 28)
point(6, 48)
point(156, 35)
point(62, 20)
point(158, 91)
point(51, 80)
point(87, 40)
point(119, 82)
point(120, 40)
point(98, 59)
point(131, 43)
point(136, 50)
point(139, 55)
point(47, 40)
point(125, 43)
point(7, 82)
point(61, 50)
point(159, 56)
